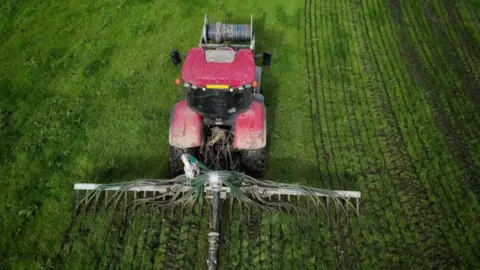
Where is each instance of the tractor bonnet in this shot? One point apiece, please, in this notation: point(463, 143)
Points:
point(233, 68)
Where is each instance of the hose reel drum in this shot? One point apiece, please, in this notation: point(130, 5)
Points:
point(218, 33)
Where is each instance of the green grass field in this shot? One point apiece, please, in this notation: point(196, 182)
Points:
point(377, 96)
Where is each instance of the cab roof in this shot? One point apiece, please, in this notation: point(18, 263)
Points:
point(221, 66)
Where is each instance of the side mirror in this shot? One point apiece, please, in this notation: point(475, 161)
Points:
point(266, 58)
point(175, 57)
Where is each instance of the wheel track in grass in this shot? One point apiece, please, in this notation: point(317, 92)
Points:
point(425, 156)
point(439, 52)
point(466, 36)
point(402, 82)
point(462, 39)
point(417, 71)
point(466, 39)
point(446, 123)
point(470, 81)
point(430, 67)
point(422, 208)
point(445, 190)
point(399, 166)
point(459, 61)
point(437, 111)
point(445, 208)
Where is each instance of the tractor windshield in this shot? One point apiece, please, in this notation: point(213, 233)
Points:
point(214, 103)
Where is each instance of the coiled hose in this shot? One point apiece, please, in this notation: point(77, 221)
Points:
point(229, 32)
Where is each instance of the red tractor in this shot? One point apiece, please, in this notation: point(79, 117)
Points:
point(222, 120)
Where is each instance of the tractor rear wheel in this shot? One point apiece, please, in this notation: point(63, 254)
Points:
point(253, 161)
point(176, 164)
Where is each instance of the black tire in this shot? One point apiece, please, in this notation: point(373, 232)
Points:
point(253, 162)
point(175, 163)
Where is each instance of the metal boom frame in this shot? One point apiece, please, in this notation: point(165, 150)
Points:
point(215, 192)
